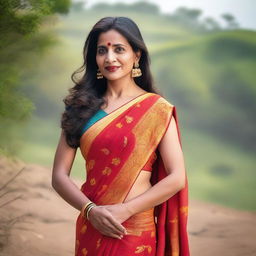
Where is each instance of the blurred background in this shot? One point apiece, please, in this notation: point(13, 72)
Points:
point(202, 59)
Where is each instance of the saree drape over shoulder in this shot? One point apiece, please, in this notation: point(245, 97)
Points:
point(115, 148)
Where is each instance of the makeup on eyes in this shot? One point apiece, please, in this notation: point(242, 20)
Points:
point(109, 44)
point(101, 47)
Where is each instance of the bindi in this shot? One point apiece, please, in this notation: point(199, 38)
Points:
point(108, 43)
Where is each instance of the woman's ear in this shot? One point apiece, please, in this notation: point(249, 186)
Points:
point(138, 55)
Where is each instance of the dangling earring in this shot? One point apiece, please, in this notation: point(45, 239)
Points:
point(136, 72)
point(99, 74)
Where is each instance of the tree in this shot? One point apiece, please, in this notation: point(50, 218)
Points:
point(20, 26)
point(188, 14)
point(211, 24)
point(78, 6)
point(230, 20)
point(188, 17)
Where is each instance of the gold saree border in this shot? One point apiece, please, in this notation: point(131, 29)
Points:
point(148, 133)
point(146, 142)
point(141, 222)
point(93, 131)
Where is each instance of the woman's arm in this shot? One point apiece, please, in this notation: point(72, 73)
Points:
point(68, 190)
point(64, 186)
point(172, 155)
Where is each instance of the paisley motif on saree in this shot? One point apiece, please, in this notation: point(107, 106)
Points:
point(115, 149)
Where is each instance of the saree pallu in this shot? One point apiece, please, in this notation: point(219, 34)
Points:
point(115, 149)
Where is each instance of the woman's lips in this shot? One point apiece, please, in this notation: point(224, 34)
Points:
point(112, 69)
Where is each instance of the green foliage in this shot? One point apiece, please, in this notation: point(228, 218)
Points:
point(231, 20)
point(77, 6)
point(21, 45)
point(184, 16)
point(211, 24)
point(140, 6)
point(61, 6)
point(210, 77)
point(184, 13)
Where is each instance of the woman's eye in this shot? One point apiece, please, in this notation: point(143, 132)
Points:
point(120, 48)
point(100, 51)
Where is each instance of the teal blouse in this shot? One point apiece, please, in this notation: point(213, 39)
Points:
point(97, 116)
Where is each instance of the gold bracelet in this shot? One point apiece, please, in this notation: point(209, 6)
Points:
point(88, 206)
point(84, 207)
point(88, 210)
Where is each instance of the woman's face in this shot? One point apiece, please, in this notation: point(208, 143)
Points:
point(114, 55)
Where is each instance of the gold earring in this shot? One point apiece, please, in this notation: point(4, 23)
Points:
point(136, 72)
point(99, 74)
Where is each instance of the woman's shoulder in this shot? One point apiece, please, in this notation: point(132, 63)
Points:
point(163, 101)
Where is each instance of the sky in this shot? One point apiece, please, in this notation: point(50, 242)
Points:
point(241, 9)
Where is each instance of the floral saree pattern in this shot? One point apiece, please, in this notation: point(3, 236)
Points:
point(115, 149)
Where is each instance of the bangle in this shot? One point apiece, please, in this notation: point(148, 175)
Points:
point(88, 210)
point(84, 207)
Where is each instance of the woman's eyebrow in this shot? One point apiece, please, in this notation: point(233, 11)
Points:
point(119, 44)
point(103, 46)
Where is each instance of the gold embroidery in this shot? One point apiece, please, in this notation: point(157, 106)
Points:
point(103, 188)
point(92, 132)
point(134, 232)
point(128, 119)
point(106, 171)
point(184, 210)
point(119, 125)
point(125, 141)
point(116, 161)
point(98, 243)
point(142, 248)
point(105, 151)
point(140, 222)
point(91, 164)
point(138, 105)
point(84, 251)
point(161, 111)
point(175, 220)
point(174, 237)
point(83, 229)
point(92, 181)
point(152, 234)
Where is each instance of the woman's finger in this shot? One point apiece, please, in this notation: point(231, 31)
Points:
point(110, 234)
point(119, 227)
point(113, 223)
point(102, 219)
point(112, 228)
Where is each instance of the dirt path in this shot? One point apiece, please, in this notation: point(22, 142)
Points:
point(39, 222)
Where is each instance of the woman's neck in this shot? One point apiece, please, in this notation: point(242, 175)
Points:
point(122, 88)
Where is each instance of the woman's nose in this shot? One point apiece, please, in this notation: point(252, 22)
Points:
point(110, 56)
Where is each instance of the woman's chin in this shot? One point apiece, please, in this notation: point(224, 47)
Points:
point(113, 77)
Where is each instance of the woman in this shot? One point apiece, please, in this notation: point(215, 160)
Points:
point(134, 200)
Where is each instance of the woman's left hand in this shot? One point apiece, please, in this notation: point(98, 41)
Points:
point(119, 211)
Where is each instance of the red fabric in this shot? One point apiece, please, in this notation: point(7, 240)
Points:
point(174, 209)
point(150, 162)
point(124, 142)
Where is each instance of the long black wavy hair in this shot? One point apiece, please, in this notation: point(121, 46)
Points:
point(86, 97)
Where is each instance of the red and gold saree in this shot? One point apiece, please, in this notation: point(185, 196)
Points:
point(115, 149)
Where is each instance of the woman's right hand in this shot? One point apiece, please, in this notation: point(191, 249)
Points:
point(105, 223)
